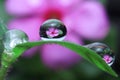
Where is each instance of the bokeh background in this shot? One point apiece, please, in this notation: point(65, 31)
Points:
point(33, 68)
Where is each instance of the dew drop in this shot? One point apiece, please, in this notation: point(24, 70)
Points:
point(53, 30)
point(104, 51)
point(13, 37)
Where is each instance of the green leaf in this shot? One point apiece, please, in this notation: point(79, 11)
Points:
point(86, 53)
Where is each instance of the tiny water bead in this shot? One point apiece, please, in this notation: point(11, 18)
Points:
point(13, 37)
point(104, 51)
point(53, 30)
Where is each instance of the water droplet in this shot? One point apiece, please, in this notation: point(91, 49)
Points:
point(104, 51)
point(13, 37)
point(53, 30)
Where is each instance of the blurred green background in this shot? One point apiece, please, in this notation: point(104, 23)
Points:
point(33, 69)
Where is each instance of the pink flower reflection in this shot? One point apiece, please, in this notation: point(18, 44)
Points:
point(52, 32)
point(107, 59)
point(83, 19)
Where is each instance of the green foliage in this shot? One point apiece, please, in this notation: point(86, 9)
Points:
point(86, 53)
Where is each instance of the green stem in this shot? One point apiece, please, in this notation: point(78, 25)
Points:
point(6, 61)
point(3, 72)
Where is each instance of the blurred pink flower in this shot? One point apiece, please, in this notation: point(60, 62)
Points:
point(83, 19)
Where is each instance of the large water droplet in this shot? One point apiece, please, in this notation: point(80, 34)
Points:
point(13, 37)
point(104, 51)
point(53, 30)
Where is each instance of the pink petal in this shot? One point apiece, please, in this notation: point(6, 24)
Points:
point(89, 20)
point(56, 30)
point(50, 34)
point(51, 29)
point(62, 6)
point(23, 7)
point(29, 25)
point(57, 57)
point(56, 34)
point(65, 3)
point(69, 22)
point(106, 56)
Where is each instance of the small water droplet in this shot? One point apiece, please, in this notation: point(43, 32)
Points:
point(13, 37)
point(104, 51)
point(53, 30)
